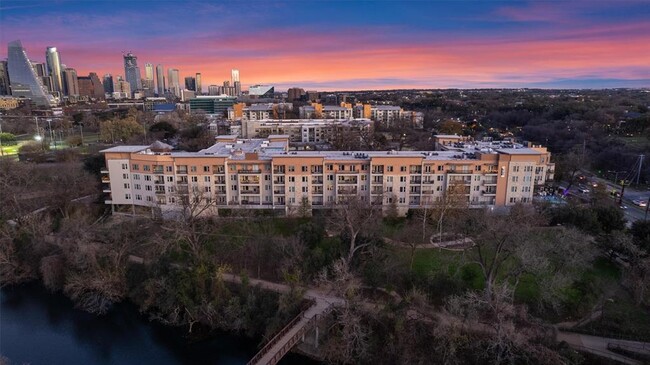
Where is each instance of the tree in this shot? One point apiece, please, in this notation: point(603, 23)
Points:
point(120, 130)
point(352, 219)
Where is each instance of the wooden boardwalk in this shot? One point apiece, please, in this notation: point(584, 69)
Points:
point(293, 332)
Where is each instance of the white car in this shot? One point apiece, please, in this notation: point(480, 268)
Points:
point(640, 203)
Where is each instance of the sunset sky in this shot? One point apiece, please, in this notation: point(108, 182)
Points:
point(349, 45)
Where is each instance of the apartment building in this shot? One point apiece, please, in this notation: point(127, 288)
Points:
point(306, 130)
point(259, 111)
point(263, 174)
point(319, 111)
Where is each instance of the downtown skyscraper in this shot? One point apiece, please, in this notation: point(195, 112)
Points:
point(23, 79)
point(234, 73)
point(160, 80)
point(173, 83)
point(53, 62)
point(132, 72)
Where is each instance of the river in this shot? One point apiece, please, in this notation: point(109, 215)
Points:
point(40, 328)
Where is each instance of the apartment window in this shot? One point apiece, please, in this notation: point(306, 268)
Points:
point(147, 187)
point(402, 189)
point(402, 179)
point(192, 168)
point(136, 177)
point(234, 187)
point(476, 188)
point(513, 189)
point(503, 171)
point(146, 168)
point(305, 189)
point(478, 167)
point(170, 189)
point(427, 168)
point(389, 168)
point(218, 169)
point(206, 179)
point(513, 200)
point(402, 200)
point(402, 168)
point(330, 177)
point(149, 199)
point(305, 179)
point(440, 177)
point(292, 168)
point(304, 169)
point(329, 167)
point(138, 197)
point(125, 176)
point(127, 186)
point(389, 179)
point(292, 189)
point(137, 186)
point(365, 167)
point(206, 168)
point(195, 179)
point(515, 168)
point(389, 189)
point(515, 179)
point(125, 166)
point(439, 188)
point(477, 178)
point(341, 167)
point(169, 168)
point(127, 196)
point(267, 177)
point(170, 179)
point(441, 168)
point(135, 166)
point(207, 189)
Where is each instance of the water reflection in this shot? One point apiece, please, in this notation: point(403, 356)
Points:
point(37, 327)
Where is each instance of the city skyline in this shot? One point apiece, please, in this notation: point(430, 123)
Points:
point(330, 47)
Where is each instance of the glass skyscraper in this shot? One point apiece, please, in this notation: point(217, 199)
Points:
point(23, 78)
point(53, 63)
point(132, 72)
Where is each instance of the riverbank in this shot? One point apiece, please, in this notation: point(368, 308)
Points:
point(38, 327)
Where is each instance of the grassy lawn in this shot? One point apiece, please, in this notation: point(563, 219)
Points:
point(621, 318)
point(636, 142)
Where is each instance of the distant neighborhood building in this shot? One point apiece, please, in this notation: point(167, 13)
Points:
point(259, 111)
point(212, 104)
point(307, 131)
point(319, 111)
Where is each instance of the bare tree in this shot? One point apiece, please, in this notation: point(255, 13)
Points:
point(352, 219)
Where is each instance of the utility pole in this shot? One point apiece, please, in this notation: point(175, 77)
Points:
point(2, 151)
point(638, 174)
point(620, 200)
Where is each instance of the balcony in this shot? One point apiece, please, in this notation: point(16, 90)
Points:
point(106, 190)
point(317, 190)
point(278, 191)
point(106, 180)
point(278, 181)
point(103, 171)
point(250, 191)
point(258, 171)
point(347, 180)
point(416, 179)
point(317, 180)
point(181, 171)
point(347, 190)
point(278, 170)
point(249, 180)
point(159, 181)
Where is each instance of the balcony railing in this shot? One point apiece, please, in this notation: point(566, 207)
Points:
point(250, 191)
point(249, 171)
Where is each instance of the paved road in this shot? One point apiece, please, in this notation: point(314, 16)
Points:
point(633, 212)
point(599, 346)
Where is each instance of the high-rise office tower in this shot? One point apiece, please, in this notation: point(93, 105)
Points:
point(213, 90)
point(190, 83)
point(237, 87)
point(4, 79)
point(148, 81)
point(90, 86)
point(53, 63)
point(70, 82)
point(107, 82)
point(41, 72)
point(160, 79)
point(174, 85)
point(132, 71)
point(24, 81)
point(199, 87)
point(234, 73)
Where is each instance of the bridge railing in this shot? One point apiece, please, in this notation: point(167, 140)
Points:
point(279, 335)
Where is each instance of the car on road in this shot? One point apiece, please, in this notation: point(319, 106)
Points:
point(640, 203)
point(623, 207)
